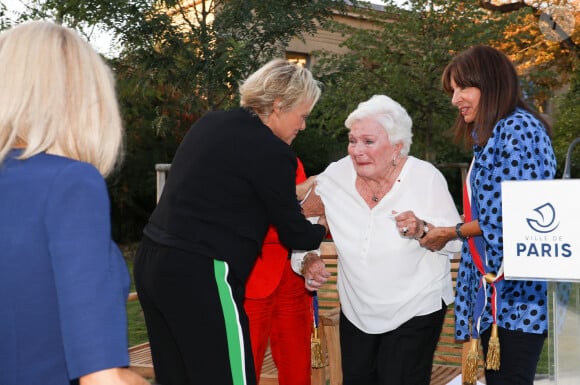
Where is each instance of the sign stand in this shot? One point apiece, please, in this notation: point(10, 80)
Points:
point(564, 332)
point(542, 242)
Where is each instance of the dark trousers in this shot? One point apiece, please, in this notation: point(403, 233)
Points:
point(196, 323)
point(519, 356)
point(401, 356)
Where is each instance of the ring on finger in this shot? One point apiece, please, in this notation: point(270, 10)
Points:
point(309, 282)
point(405, 230)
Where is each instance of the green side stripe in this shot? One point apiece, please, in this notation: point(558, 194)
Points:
point(233, 329)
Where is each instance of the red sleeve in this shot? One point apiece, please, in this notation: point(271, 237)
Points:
point(271, 235)
point(300, 173)
point(269, 267)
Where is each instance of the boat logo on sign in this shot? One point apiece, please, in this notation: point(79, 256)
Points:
point(545, 221)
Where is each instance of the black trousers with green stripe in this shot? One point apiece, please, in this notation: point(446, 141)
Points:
point(193, 309)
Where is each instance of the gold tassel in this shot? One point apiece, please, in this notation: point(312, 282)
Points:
point(493, 351)
point(471, 365)
point(317, 357)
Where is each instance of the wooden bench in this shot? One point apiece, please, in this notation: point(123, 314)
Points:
point(448, 359)
point(140, 360)
point(450, 354)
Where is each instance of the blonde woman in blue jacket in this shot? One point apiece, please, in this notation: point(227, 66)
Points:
point(63, 281)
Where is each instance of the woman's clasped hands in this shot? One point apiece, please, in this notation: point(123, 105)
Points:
point(430, 237)
point(410, 226)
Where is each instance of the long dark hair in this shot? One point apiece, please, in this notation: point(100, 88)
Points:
point(495, 76)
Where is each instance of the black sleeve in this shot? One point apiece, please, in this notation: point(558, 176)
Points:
point(277, 189)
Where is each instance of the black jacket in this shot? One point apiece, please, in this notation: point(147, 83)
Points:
point(230, 178)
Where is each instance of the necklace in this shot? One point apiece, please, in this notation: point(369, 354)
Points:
point(375, 197)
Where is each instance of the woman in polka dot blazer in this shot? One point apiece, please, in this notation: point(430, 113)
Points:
point(510, 142)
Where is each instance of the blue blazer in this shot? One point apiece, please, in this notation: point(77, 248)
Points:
point(63, 282)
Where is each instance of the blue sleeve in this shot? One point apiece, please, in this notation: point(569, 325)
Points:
point(91, 277)
point(519, 149)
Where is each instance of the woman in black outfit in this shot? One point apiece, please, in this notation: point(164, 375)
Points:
point(232, 176)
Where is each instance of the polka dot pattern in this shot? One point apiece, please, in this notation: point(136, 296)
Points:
point(519, 149)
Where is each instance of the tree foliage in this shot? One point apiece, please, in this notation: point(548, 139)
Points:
point(566, 127)
point(405, 54)
point(403, 57)
point(174, 62)
point(191, 62)
point(542, 43)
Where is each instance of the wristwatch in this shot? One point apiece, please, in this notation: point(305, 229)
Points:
point(425, 230)
point(458, 231)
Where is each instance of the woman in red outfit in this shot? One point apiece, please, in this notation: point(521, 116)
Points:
point(279, 307)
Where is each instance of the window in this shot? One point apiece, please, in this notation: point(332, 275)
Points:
point(298, 58)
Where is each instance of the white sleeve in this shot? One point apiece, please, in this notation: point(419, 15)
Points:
point(442, 210)
point(298, 255)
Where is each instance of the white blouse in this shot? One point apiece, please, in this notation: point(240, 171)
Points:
point(385, 279)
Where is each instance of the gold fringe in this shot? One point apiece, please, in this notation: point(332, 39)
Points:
point(471, 365)
point(493, 350)
point(317, 356)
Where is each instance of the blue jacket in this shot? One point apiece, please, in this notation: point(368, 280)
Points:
point(63, 281)
point(519, 149)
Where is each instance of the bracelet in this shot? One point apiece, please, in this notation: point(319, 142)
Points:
point(425, 230)
point(458, 231)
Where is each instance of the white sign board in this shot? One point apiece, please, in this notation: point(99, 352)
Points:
point(541, 229)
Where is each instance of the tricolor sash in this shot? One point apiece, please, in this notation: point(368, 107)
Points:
point(477, 250)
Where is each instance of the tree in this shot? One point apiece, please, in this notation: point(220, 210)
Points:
point(558, 16)
point(178, 61)
point(404, 57)
point(175, 63)
point(566, 128)
point(405, 54)
point(541, 41)
point(4, 20)
point(195, 60)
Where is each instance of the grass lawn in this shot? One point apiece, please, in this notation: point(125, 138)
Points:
point(543, 368)
point(136, 321)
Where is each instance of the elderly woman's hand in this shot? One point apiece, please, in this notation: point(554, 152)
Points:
point(312, 206)
point(314, 271)
point(410, 226)
point(304, 187)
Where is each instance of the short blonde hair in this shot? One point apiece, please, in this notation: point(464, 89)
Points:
point(279, 79)
point(390, 115)
point(57, 95)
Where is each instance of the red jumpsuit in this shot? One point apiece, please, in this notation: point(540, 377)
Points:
point(279, 308)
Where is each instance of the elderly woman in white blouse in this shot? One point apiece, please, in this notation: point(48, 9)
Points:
point(378, 202)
